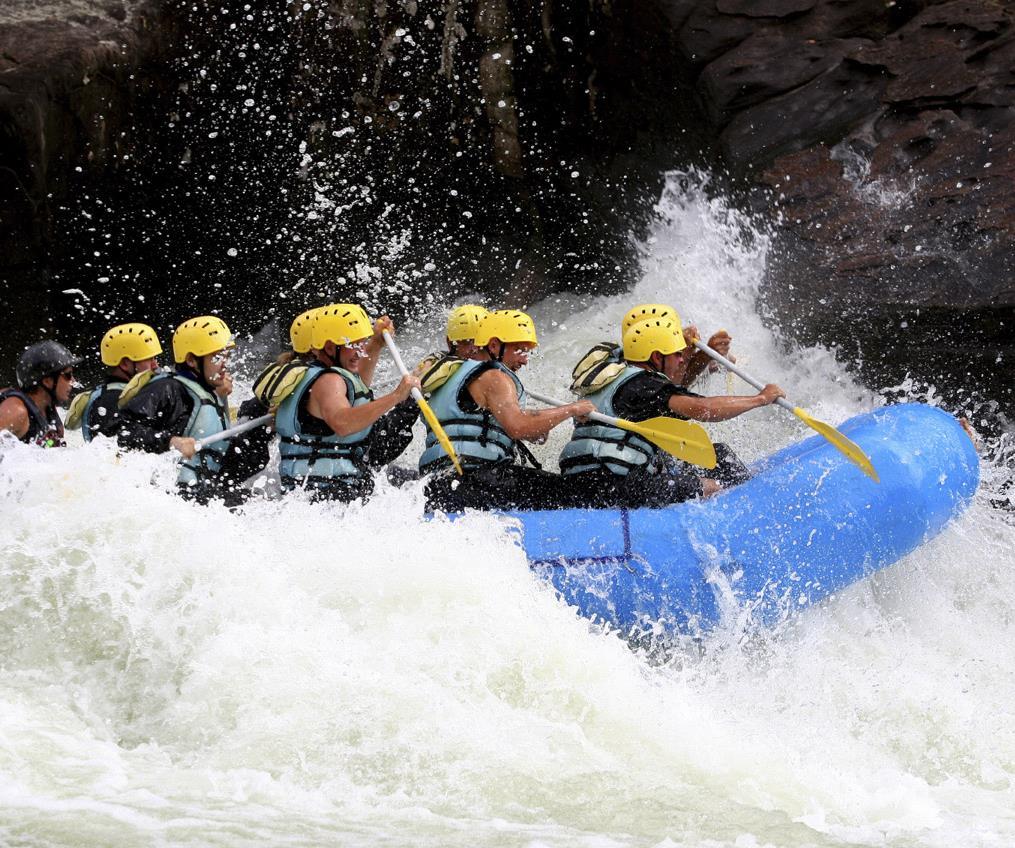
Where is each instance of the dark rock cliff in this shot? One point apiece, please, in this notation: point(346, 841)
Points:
point(255, 158)
point(883, 140)
point(162, 157)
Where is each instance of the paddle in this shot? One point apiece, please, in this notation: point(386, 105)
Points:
point(233, 431)
point(852, 450)
point(424, 407)
point(683, 439)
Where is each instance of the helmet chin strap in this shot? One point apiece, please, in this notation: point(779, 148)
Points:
point(332, 361)
point(130, 375)
point(51, 391)
point(199, 373)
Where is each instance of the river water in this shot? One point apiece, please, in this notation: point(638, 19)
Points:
point(298, 674)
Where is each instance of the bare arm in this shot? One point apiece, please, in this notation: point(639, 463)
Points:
point(375, 344)
point(719, 342)
point(496, 392)
point(328, 401)
point(723, 407)
point(14, 417)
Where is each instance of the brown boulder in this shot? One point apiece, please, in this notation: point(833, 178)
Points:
point(766, 65)
point(884, 149)
point(67, 94)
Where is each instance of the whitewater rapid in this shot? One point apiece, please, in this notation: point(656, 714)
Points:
point(309, 674)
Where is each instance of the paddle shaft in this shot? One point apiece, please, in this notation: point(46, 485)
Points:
point(595, 416)
point(234, 431)
point(428, 414)
point(852, 451)
point(743, 375)
point(684, 440)
point(417, 395)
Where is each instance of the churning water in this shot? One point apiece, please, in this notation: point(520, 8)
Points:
point(301, 674)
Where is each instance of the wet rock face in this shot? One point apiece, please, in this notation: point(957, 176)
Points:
point(879, 141)
point(906, 263)
point(398, 152)
point(71, 81)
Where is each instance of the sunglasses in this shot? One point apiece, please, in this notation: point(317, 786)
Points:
point(68, 375)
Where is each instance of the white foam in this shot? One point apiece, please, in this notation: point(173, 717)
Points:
point(312, 674)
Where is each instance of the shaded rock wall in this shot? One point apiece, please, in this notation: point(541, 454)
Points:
point(884, 140)
point(394, 151)
point(70, 88)
point(167, 157)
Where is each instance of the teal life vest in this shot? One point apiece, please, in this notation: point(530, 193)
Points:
point(476, 436)
point(306, 456)
point(594, 446)
point(209, 416)
point(86, 429)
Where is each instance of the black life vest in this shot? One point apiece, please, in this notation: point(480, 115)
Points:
point(46, 431)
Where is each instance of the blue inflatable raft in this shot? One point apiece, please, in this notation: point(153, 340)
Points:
point(808, 524)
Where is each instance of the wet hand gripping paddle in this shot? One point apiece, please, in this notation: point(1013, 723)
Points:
point(234, 431)
point(683, 439)
point(851, 450)
point(424, 407)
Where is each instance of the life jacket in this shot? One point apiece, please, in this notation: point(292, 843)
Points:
point(136, 383)
point(326, 457)
point(597, 368)
point(84, 421)
point(46, 431)
point(210, 415)
point(594, 445)
point(476, 436)
point(436, 369)
point(276, 382)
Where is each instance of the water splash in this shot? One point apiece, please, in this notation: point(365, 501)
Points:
point(299, 674)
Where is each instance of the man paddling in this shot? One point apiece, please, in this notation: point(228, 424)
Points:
point(613, 467)
point(460, 339)
point(481, 407)
point(45, 375)
point(126, 350)
point(172, 410)
point(276, 381)
point(460, 333)
point(333, 432)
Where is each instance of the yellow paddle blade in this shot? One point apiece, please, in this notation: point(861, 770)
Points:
point(851, 449)
point(683, 439)
point(438, 431)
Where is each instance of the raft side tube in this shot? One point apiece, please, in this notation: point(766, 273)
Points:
point(808, 525)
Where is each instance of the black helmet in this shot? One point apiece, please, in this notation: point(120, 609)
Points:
point(43, 359)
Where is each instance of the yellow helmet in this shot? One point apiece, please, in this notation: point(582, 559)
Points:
point(301, 332)
point(134, 341)
point(644, 311)
point(647, 337)
point(463, 322)
point(508, 325)
point(201, 336)
point(341, 323)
